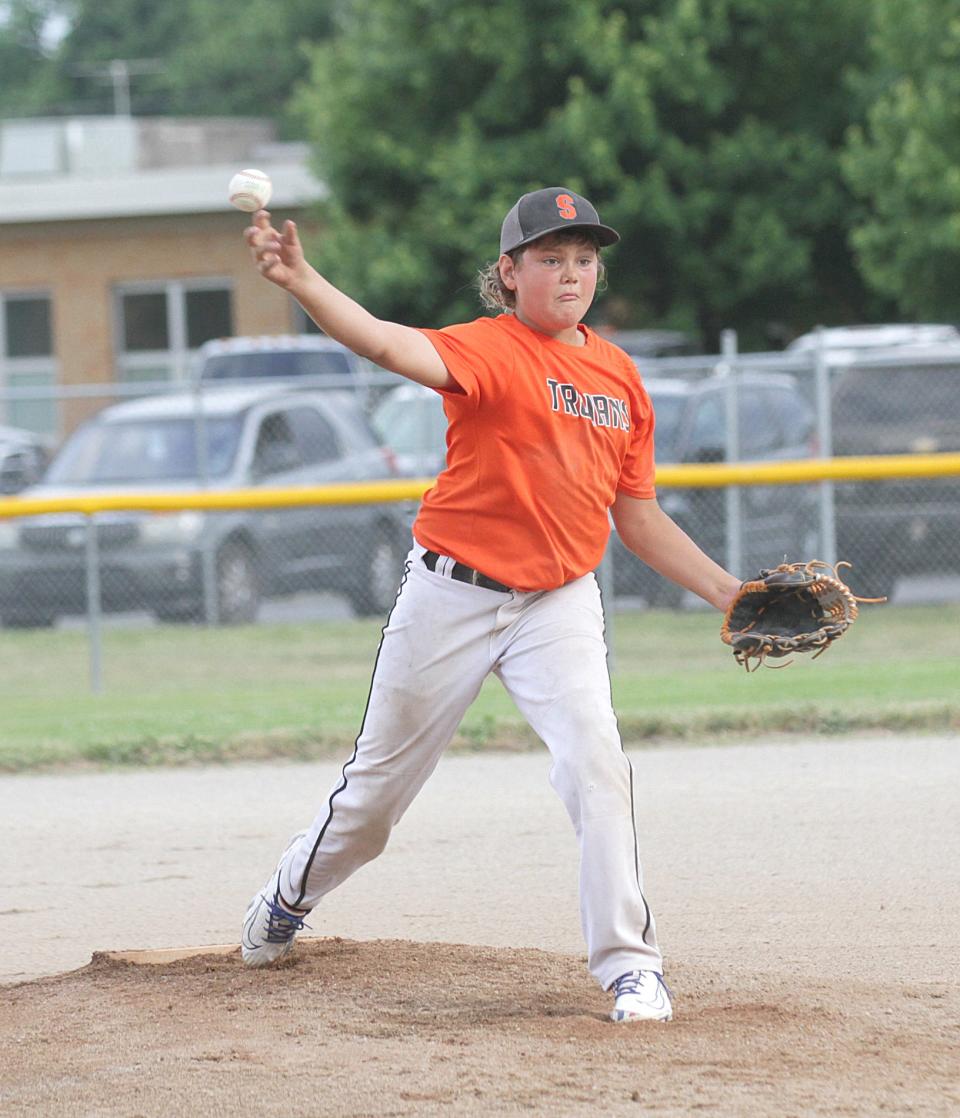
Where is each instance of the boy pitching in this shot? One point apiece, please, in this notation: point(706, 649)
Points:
point(550, 432)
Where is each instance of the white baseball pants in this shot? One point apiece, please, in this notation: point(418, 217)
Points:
point(441, 640)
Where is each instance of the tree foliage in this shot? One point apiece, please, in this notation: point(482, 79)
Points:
point(734, 143)
point(27, 77)
point(187, 56)
point(904, 162)
point(707, 131)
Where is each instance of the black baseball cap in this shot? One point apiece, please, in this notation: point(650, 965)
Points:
point(546, 211)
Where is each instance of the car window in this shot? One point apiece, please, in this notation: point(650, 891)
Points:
point(145, 450)
point(896, 411)
point(276, 449)
point(759, 426)
point(895, 396)
point(353, 428)
point(314, 435)
point(709, 429)
point(793, 416)
point(20, 466)
point(280, 363)
point(668, 411)
point(413, 425)
point(15, 470)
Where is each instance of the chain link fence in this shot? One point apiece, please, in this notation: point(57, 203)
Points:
point(222, 567)
point(899, 535)
point(195, 565)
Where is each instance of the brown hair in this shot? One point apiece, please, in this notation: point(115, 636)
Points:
point(496, 296)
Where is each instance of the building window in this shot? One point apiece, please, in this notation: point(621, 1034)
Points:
point(144, 323)
point(28, 370)
point(27, 326)
point(159, 326)
point(208, 316)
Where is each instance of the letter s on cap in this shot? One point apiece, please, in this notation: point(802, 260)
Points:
point(565, 207)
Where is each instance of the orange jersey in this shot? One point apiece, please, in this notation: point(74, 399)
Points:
point(540, 440)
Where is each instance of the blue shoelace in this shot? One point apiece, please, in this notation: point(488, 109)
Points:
point(282, 925)
point(630, 983)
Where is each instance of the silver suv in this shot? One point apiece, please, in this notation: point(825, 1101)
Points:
point(276, 357)
point(234, 437)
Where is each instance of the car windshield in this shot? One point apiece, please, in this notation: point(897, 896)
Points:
point(286, 363)
point(668, 409)
point(897, 397)
point(146, 450)
point(416, 426)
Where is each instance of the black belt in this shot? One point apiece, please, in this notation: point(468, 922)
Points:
point(463, 573)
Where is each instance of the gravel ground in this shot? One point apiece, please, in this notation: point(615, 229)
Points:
point(806, 894)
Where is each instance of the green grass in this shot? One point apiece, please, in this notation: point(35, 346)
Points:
point(174, 695)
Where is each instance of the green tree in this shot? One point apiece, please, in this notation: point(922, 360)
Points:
point(140, 33)
point(904, 162)
point(708, 131)
point(186, 57)
point(27, 73)
point(248, 66)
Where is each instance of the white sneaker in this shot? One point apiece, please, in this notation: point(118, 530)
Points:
point(641, 995)
point(269, 927)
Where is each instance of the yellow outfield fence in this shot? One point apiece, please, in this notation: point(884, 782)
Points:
point(707, 475)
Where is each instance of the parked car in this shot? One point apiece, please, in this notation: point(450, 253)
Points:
point(776, 423)
point(239, 437)
point(652, 343)
point(900, 527)
point(301, 360)
point(23, 458)
point(272, 356)
point(410, 420)
point(848, 343)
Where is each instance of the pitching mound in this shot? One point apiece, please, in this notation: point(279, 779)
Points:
point(400, 1028)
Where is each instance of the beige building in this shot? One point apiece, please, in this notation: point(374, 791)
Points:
point(120, 255)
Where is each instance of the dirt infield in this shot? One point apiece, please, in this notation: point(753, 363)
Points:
point(806, 892)
point(399, 1028)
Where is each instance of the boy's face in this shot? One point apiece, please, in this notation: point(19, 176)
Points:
point(554, 280)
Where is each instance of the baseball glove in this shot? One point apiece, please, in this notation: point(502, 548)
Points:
point(796, 607)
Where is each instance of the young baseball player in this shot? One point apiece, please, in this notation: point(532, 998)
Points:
point(550, 431)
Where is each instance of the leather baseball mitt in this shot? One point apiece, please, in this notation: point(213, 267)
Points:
point(796, 607)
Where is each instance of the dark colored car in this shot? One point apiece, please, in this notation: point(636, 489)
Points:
point(776, 423)
point(652, 343)
point(235, 437)
point(888, 529)
point(23, 458)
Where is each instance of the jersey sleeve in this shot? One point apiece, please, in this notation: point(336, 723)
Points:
point(638, 473)
point(477, 355)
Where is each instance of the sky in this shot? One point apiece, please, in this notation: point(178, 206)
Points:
point(55, 28)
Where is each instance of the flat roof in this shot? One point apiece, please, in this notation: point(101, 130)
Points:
point(146, 193)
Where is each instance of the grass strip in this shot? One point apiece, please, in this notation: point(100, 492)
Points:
point(188, 695)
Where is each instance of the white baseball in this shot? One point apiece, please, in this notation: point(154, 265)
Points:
point(250, 190)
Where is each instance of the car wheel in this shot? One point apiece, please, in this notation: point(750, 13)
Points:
point(238, 585)
point(377, 592)
point(185, 616)
point(665, 594)
point(27, 620)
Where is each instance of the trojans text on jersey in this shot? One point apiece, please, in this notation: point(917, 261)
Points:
point(600, 410)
